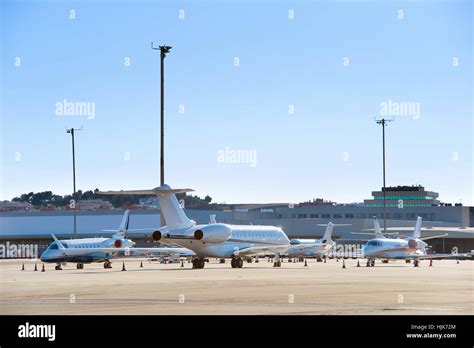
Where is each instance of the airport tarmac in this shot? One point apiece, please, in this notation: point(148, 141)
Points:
point(258, 288)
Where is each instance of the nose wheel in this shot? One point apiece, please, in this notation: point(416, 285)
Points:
point(80, 266)
point(58, 267)
point(237, 262)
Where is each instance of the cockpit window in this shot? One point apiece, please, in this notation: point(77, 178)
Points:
point(374, 243)
point(53, 246)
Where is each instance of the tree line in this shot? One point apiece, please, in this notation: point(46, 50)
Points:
point(47, 199)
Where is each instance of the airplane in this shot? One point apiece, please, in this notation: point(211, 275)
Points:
point(88, 250)
point(377, 231)
point(313, 247)
point(217, 240)
point(410, 248)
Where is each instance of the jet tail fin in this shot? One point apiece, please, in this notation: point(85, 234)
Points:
point(123, 228)
point(417, 230)
point(328, 233)
point(125, 221)
point(172, 211)
point(378, 231)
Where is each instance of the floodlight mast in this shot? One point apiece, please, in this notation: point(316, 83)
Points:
point(71, 131)
point(384, 122)
point(163, 51)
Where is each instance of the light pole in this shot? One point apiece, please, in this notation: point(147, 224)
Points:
point(163, 51)
point(383, 122)
point(71, 131)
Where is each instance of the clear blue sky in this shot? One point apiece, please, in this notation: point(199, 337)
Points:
point(282, 61)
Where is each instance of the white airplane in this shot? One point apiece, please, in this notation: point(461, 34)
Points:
point(377, 231)
point(411, 248)
point(88, 250)
point(212, 240)
point(313, 247)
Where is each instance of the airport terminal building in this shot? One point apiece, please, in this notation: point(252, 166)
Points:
point(404, 204)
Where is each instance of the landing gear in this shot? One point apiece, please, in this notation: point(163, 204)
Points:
point(416, 263)
point(58, 267)
point(370, 262)
point(237, 262)
point(198, 263)
point(318, 259)
point(80, 266)
point(107, 264)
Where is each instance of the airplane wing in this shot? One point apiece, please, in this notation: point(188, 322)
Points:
point(308, 245)
point(134, 252)
point(262, 250)
point(431, 256)
point(440, 256)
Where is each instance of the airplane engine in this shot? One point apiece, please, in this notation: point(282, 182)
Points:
point(156, 235)
point(415, 244)
point(214, 233)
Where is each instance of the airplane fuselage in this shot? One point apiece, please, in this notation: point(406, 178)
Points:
point(241, 239)
point(83, 250)
point(313, 248)
point(385, 248)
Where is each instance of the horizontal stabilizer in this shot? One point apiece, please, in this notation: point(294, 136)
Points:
point(127, 192)
point(331, 224)
point(432, 237)
point(133, 230)
point(162, 190)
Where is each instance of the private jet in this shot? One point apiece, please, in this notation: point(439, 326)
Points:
point(318, 248)
point(88, 250)
point(217, 240)
point(410, 248)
